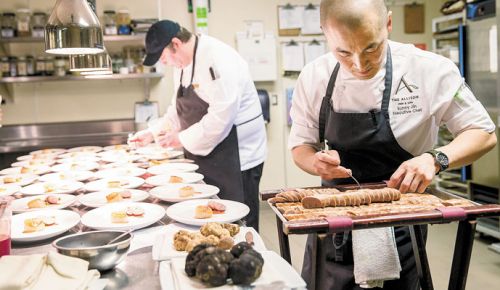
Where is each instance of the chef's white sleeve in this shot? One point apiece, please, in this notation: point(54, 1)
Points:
point(168, 122)
point(224, 94)
point(456, 105)
point(305, 118)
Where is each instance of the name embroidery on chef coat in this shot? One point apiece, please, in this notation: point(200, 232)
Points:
point(406, 99)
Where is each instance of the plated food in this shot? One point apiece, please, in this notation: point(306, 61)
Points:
point(185, 211)
point(38, 202)
point(54, 151)
point(78, 166)
point(43, 224)
point(172, 168)
point(123, 215)
point(180, 192)
point(33, 162)
point(74, 175)
point(120, 171)
point(114, 183)
point(9, 189)
point(100, 198)
point(18, 179)
point(207, 211)
point(34, 169)
point(92, 149)
point(119, 147)
point(52, 187)
point(179, 177)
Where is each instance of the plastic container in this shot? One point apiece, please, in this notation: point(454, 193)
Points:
point(40, 66)
point(49, 66)
point(5, 223)
point(60, 66)
point(5, 66)
point(110, 23)
point(123, 22)
point(22, 67)
point(38, 21)
point(23, 17)
point(30, 65)
point(13, 66)
point(8, 29)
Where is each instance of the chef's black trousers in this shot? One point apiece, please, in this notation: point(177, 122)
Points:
point(251, 180)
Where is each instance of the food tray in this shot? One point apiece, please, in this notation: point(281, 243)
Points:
point(342, 223)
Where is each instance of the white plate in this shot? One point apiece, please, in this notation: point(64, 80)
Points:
point(55, 151)
point(75, 166)
point(183, 212)
point(38, 170)
point(119, 164)
point(152, 149)
point(76, 154)
point(65, 220)
point(169, 168)
point(33, 162)
point(9, 189)
point(39, 156)
point(125, 182)
point(21, 205)
point(170, 192)
point(98, 199)
point(163, 248)
point(163, 156)
point(67, 175)
point(56, 187)
point(120, 171)
point(163, 179)
point(20, 179)
point(79, 159)
point(100, 218)
point(119, 156)
point(93, 149)
point(117, 147)
point(275, 269)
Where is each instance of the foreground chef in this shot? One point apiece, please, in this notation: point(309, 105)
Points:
point(378, 104)
point(215, 114)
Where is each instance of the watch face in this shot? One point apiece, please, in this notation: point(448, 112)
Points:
point(442, 159)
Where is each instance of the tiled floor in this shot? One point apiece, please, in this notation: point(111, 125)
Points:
point(484, 271)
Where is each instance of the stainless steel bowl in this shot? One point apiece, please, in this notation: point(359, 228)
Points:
point(91, 246)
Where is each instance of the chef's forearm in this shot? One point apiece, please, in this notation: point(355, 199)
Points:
point(303, 156)
point(468, 147)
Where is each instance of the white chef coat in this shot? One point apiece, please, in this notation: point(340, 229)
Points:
point(427, 91)
point(232, 99)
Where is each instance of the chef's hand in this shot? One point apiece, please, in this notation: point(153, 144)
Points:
point(414, 175)
point(168, 139)
point(327, 165)
point(140, 139)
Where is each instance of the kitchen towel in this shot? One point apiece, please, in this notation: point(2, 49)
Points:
point(375, 257)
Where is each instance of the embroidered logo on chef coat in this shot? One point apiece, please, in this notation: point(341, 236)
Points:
point(407, 99)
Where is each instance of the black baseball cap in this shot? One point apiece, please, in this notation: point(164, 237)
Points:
point(158, 37)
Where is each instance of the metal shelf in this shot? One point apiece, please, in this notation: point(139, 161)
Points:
point(38, 79)
point(110, 38)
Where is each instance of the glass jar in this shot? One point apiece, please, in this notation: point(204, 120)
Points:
point(22, 66)
point(117, 62)
point(60, 66)
point(30, 65)
point(49, 66)
point(4, 66)
point(38, 22)
point(123, 22)
point(8, 25)
point(40, 66)
point(110, 22)
point(23, 22)
point(13, 66)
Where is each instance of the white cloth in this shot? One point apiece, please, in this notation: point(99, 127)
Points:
point(375, 257)
point(232, 99)
point(50, 271)
point(438, 96)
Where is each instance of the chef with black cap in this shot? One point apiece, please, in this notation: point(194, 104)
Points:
point(215, 114)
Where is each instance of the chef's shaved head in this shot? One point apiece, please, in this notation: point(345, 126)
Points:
point(353, 13)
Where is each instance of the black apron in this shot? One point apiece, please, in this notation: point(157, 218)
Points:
point(367, 146)
point(222, 166)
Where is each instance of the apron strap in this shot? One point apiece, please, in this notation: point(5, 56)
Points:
point(194, 62)
point(388, 83)
point(324, 112)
